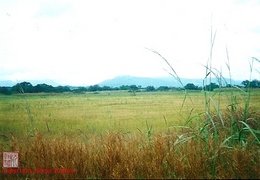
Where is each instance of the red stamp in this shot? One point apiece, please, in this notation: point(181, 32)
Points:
point(10, 159)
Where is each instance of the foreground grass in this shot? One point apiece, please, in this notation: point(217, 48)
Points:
point(123, 136)
point(118, 155)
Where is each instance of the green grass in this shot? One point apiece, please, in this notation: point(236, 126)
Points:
point(89, 112)
point(106, 111)
point(119, 111)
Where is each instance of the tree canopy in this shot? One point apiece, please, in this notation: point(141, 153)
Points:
point(191, 86)
point(253, 84)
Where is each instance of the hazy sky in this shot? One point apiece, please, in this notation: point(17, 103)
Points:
point(80, 42)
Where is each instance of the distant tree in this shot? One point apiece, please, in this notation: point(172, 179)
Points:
point(106, 88)
point(191, 86)
point(24, 87)
point(211, 87)
point(95, 88)
point(80, 90)
point(5, 90)
point(124, 87)
point(228, 86)
point(246, 83)
point(44, 88)
point(15, 89)
point(116, 88)
point(133, 89)
point(150, 88)
point(255, 83)
point(200, 88)
point(163, 88)
point(61, 89)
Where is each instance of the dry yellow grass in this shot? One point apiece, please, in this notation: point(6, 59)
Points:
point(118, 155)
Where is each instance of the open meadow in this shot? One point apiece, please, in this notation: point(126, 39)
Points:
point(114, 134)
point(95, 112)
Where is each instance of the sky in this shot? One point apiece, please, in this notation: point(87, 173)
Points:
point(82, 42)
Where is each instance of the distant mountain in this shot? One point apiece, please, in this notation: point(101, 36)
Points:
point(157, 81)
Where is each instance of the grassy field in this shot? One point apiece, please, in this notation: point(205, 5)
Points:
point(105, 111)
point(151, 135)
point(94, 113)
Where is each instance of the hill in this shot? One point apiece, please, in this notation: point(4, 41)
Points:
point(157, 81)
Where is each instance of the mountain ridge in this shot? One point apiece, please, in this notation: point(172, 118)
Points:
point(159, 81)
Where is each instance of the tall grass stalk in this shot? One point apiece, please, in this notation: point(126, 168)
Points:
point(174, 75)
point(209, 69)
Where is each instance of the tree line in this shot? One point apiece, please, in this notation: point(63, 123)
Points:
point(27, 87)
